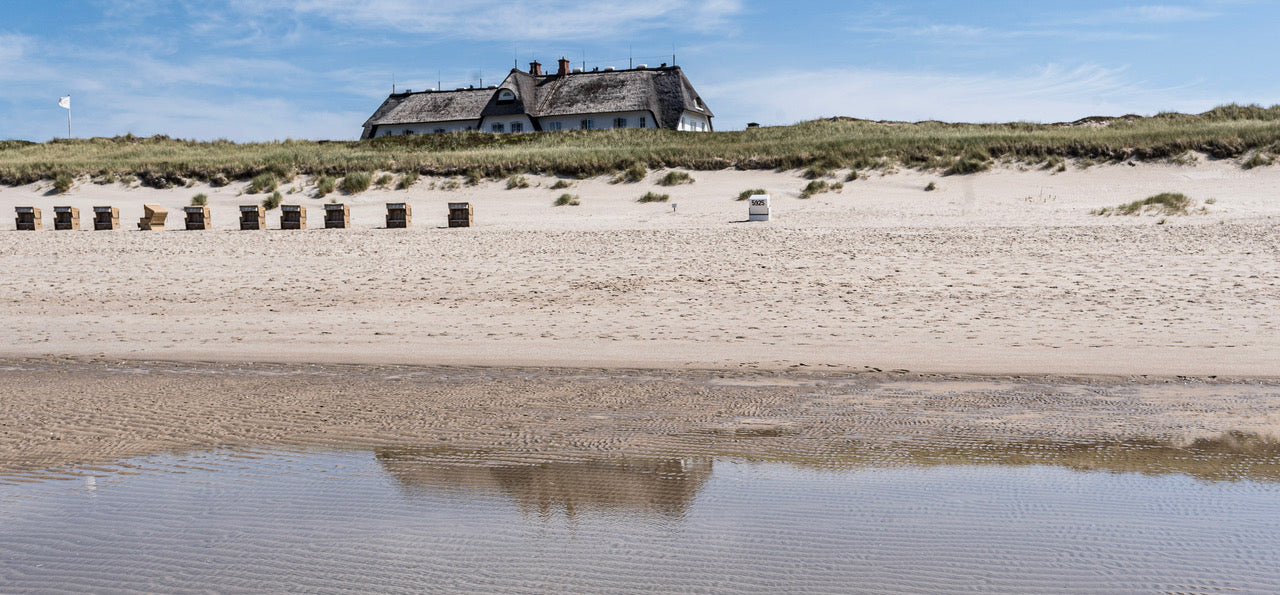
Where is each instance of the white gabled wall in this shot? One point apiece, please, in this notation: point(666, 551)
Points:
point(599, 121)
point(506, 122)
point(426, 127)
point(690, 121)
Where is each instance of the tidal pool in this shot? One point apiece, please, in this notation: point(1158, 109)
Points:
point(412, 520)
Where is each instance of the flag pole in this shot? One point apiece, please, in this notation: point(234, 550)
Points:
point(68, 116)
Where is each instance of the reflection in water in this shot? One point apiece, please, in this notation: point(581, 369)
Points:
point(1231, 456)
point(925, 519)
point(665, 486)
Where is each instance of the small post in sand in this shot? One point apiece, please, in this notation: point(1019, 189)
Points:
point(759, 209)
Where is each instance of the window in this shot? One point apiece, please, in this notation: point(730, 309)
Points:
point(643, 124)
point(555, 126)
point(496, 128)
point(506, 95)
point(408, 132)
point(619, 122)
point(517, 126)
point(588, 125)
point(438, 130)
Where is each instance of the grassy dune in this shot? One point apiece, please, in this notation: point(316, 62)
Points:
point(1233, 131)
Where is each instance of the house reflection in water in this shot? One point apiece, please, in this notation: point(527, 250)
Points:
point(657, 486)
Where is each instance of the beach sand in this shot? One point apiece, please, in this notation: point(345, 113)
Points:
point(623, 327)
point(996, 273)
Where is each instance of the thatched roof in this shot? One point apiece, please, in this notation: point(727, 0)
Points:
point(664, 91)
point(441, 106)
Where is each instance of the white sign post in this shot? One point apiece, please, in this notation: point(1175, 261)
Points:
point(759, 210)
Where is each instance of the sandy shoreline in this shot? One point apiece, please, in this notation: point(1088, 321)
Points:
point(77, 412)
point(994, 308)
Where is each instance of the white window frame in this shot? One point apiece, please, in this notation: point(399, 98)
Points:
point(555, 126)
point(619, 122)
point(588, 124)
point(517, 126)
point(497, 127)
point(643, 123)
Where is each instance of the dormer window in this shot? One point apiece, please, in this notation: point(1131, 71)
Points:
point(506, 95)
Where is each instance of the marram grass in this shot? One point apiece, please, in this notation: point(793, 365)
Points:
point(1225, 132)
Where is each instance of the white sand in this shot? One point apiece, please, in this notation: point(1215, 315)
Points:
point(999, 272)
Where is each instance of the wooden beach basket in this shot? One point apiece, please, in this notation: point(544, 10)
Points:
point(28, 218)
point(197, 218)
point(253, 217)
point(337, 216)
point(153, 217)
point(106, 218)
point(461, 214)
point(399, 215)
point(66, 218)
point(293, 217)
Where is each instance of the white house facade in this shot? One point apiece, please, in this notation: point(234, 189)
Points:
point(531, 101)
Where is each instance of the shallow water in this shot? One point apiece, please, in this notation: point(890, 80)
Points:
point(406, 519)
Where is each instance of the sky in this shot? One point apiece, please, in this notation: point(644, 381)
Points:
point(260, 70)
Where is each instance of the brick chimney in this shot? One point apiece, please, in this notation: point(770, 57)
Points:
point(535, 68)
point(564, 67)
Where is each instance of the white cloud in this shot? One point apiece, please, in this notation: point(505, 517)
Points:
point(1157, 13)
point(253, 119)
point(1049, 94)
point(507, 20)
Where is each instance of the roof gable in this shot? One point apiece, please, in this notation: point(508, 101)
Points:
point(663, 91)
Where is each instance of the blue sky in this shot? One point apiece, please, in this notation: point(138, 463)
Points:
point(252, 70)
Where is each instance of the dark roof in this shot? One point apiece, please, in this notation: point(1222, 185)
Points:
point(664, 91)
point(431, 106)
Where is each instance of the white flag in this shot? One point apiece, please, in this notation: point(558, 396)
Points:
point(65, 102)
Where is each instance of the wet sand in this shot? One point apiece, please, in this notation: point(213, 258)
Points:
point(63, 412)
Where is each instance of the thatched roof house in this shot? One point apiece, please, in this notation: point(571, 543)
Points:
point(641, 97)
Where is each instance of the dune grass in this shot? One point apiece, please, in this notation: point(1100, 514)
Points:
point(272, 201)
point(407, 180)
point(325, 184)
point(675, 178)
point(1233, 132)
point(263, 182)
point(516, 182)
point(654, 197)
point(567, 199)
point(1165, 203)
point(745, 194)
point(819, 187)
point(356, 182)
